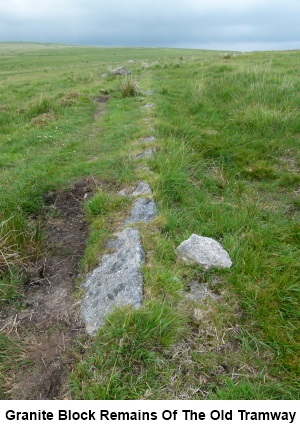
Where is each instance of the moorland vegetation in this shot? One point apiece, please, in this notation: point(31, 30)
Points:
point(226, 166)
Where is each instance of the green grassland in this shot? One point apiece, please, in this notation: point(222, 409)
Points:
point(227, 131)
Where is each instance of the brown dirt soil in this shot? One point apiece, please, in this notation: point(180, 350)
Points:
point(100, 106)
point(48, 321)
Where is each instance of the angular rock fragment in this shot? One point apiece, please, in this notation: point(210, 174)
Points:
point(116, 282)
point(126, 191)
point(142, 188)
point(121, 71)
point(206, 252)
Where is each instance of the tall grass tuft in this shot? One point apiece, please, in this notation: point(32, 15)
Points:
point(129, 87)
point(42, 105)
point(19, 243)
point(11, 241)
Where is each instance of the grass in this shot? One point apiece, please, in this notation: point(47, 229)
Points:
point(130, 88)
point(129, 348)
point(104, 211)
point(11, 355)
point(228, 167)
point(20, 244)
point(234, 176)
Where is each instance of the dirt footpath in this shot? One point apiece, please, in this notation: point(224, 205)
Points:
point(48, 319)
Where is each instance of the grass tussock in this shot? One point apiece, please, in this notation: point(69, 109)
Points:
point(130, 88)
point(19, 245)
point(13, 231)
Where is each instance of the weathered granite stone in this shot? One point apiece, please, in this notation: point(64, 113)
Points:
point(207, 252)
point(116, 282)
point(143, 210)
point(145, 154)
point(121, 71)
point(149, 105)
point(149, 139)
point(126, 191)
point(142, 188)
point(200, 292)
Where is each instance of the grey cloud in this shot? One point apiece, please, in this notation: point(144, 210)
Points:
point(246, 25)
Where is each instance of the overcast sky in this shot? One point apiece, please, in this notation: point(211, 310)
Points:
point(242, 25)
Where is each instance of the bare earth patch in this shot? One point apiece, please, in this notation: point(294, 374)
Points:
point(100, 106)
point(48, 319)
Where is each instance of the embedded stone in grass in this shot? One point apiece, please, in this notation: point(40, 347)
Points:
point(117, 281)
point(141, 188)
point(149, 92)
point(144, 210)
point(141, 167)
point(206, 252)
point(126, 191)
point(210, 132)
point(145, 154)
point(149, 139)
point(121, 71)
point(200, 292)
point(148, 105)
